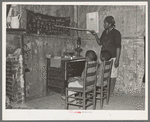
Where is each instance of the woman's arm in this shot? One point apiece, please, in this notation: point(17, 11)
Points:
point(118, 48)
point(97, 39)
point(96, 36)
point(118, 51)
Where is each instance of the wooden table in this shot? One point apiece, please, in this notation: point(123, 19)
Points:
point(57, 77)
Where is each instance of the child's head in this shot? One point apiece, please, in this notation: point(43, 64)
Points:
point(105, 55)
point(90, 55)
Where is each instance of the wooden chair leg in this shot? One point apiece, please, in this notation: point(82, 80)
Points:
point(66, 100)
point(94, 100)
point(101, 97)
point(80, 95)
point(67, 107)
point(108, 93)
point(107, 99)
point(84, 101)
point(86, 95)
point(101, 103)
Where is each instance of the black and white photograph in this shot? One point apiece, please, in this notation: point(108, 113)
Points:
point(75, 60)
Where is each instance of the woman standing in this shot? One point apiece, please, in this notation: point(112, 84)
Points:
point(111, 41)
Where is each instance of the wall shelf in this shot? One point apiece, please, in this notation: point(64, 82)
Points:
point(14, 30)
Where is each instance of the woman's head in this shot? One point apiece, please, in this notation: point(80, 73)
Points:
point(90, 55)
point(105, 55)
point(109, 22)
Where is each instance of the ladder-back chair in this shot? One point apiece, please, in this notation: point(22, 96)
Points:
point(88, 91)
point(103, 91)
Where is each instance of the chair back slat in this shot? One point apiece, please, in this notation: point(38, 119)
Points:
point(107, 70)
point(89, 65)
point(106, 78)
point(107, 63)
point(89, 83)
point(90, 75)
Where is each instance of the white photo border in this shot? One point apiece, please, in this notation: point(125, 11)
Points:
point(30, 114)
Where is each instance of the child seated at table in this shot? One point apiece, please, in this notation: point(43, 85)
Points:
point(104, 56)
point(90, 56)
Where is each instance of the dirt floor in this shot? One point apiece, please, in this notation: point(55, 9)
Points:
point(118, 101)
point(54, 101)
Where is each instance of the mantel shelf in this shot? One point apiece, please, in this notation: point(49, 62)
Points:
point(14, 30)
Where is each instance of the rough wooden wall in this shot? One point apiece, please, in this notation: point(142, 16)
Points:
point(131, 69)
